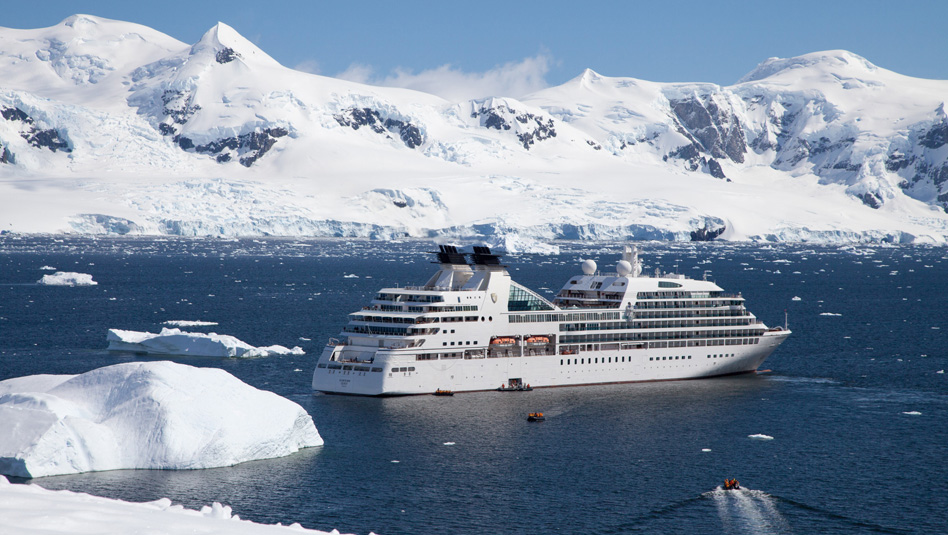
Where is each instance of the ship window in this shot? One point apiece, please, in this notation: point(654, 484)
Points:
point(561, 362)
point(411, 368)
point(522, 299)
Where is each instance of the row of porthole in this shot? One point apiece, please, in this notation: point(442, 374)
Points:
point(720, 356)
point(583, 360)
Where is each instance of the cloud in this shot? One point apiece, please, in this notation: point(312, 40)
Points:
point(310, 66)
point(514, 79)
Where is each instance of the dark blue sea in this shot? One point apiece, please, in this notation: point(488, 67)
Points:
point(856, 400)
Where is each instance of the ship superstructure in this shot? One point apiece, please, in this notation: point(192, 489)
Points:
point(471, 327)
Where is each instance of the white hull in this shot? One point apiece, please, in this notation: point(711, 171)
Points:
point(594, 367)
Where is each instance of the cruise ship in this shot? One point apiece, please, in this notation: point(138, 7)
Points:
point(470, 327)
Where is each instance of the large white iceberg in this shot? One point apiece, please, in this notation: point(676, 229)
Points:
point(157, 415)
point(178, 342)
point(67, 278)
point(33, 510)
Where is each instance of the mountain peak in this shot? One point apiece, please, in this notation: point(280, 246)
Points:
point(79, 21)
point(835, 61)
point(226, 44)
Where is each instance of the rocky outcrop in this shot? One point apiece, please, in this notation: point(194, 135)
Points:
point(48, 138)
point(226, 55)
point(246, 148)
point(529, 128)
point(712, 127)
point(707, 233)
point(356, 118)
point(178, 109)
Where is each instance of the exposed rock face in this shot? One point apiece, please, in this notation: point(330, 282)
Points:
point(715, 130)
point(248, 147)
point(227, 55)
point(49, 138)
point(178, 108)
point(921, 161)
point(714, 168)
point(529, 127)
point(707, 233)
point(355, 118)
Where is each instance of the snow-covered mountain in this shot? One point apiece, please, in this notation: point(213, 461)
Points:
point(112, 127)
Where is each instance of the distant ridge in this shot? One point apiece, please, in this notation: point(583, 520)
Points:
point(114, 127)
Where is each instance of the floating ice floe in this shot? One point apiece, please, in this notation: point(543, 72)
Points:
point(48, 268)
point(706, 450)
point(178, 342)
point(67, 278)
point(351, 276)
point(143, 415)
point(760, 437)
point(796, 298)
point(189, 323)
point(829, 314)
point(32, 509)
point(912, 413)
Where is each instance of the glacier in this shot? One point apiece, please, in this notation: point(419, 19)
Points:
point(143, 415)
point(115, 128)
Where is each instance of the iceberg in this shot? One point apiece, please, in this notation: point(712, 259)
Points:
point(178, 342)
point(760, 437)
point(190, 323)
point(144, 415)
point(67, 278)
point(31, 509)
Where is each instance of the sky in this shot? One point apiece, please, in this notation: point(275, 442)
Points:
point(511, 48)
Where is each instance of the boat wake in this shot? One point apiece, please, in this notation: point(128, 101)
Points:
point(755, 511)
point(748, 511)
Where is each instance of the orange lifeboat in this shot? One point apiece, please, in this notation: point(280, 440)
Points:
point(503, 341)
point(538, 340)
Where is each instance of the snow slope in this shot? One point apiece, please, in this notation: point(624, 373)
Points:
point(123, 130)
point(157, 415)
point(33, 510)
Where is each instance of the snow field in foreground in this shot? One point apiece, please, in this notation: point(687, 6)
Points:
point(33, 510)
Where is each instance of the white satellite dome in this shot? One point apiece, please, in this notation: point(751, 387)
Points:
point(623, 268)
point(589, 267)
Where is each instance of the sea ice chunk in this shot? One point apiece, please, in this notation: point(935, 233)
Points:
point(152, 415)
point(760, 437)
point(67, 278)
point(178, 342)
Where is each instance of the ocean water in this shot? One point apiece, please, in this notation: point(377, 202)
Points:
point(854, 400)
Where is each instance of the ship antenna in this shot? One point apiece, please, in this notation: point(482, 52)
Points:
point(786, 326)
